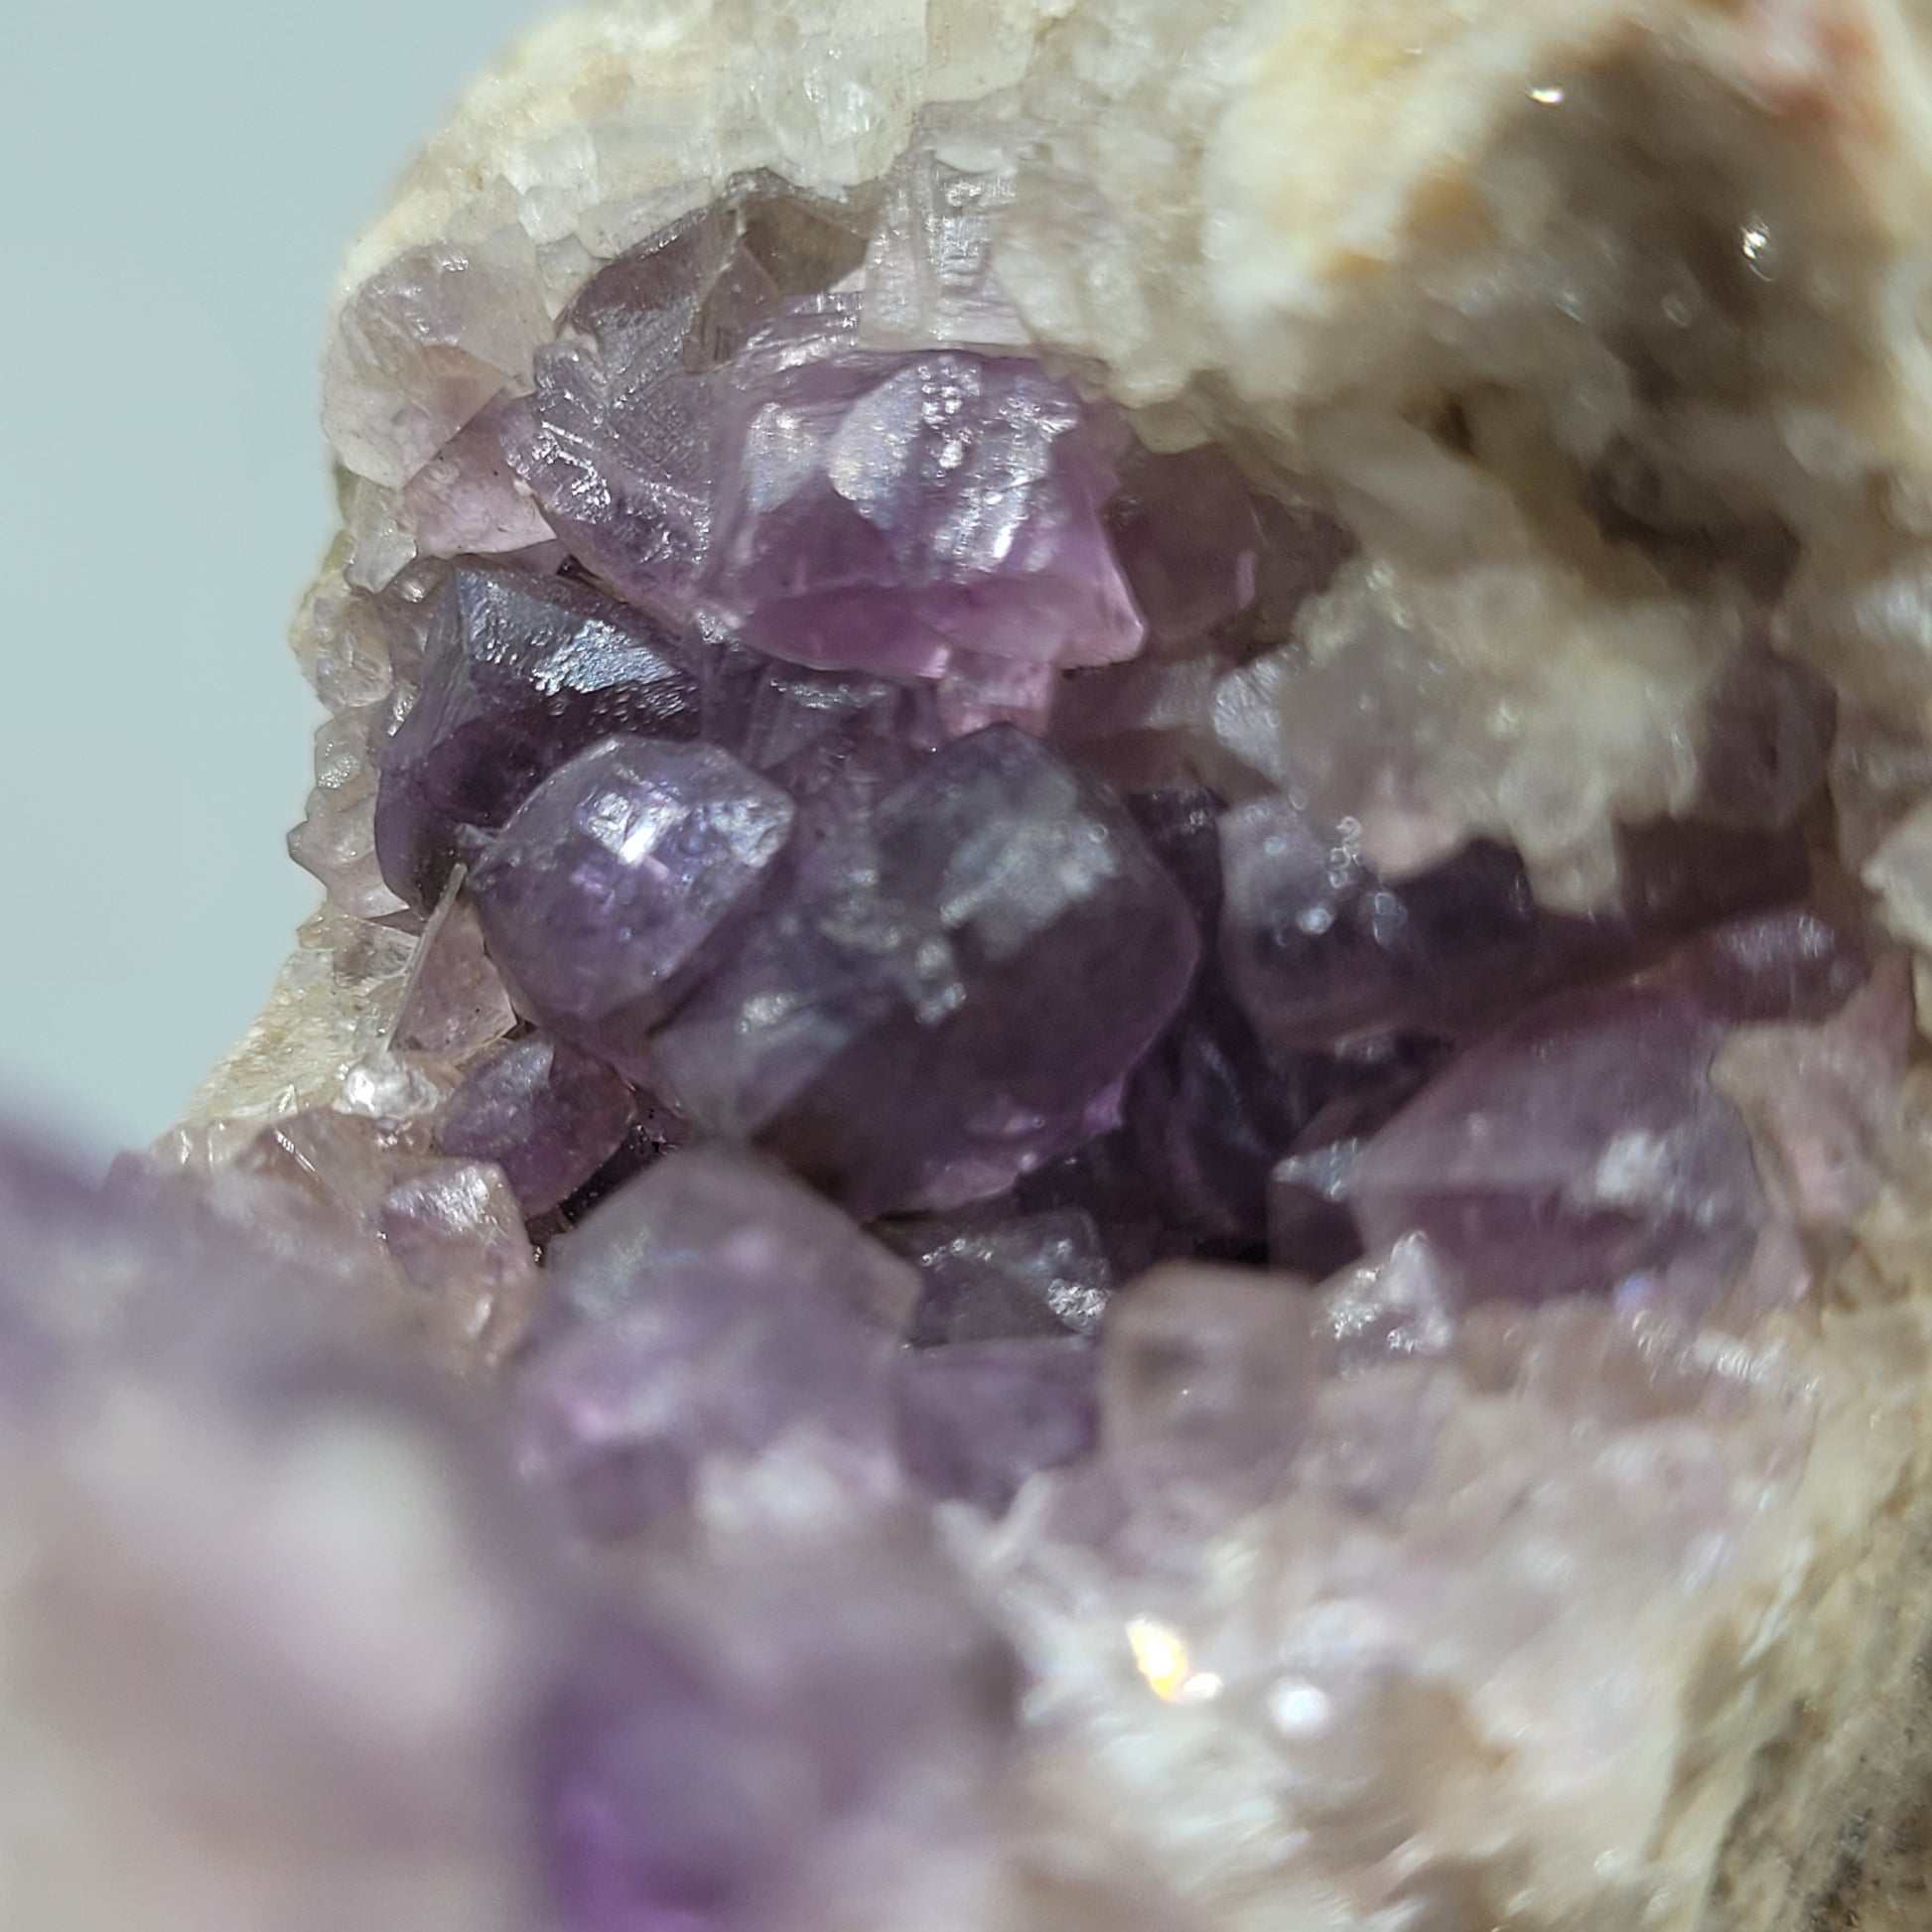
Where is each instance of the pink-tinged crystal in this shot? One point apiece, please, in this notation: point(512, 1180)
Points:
point(1206, 1378)
point(953, 998)
point(619, 879)
point(1797, 963)
point(1005, 1278)
point(1820, 1098)
point(1189, 539)
point(719, 1306)
point(549, 1116)
point(975, 1420)
point(467, 501)
point(1579, 1150)
point(520, 671)
point(423, 344)
point(434, 1249)
point(455, 1230)
point(454, 1002)
point(884, 513)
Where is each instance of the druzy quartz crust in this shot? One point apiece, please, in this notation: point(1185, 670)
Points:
point(1108, 1114)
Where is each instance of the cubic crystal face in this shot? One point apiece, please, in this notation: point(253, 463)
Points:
point(953, 998)
point(613, 877)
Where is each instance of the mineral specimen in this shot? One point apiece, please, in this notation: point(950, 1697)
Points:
point(1126, 815)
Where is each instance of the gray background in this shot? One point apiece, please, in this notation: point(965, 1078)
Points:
point(180, 177)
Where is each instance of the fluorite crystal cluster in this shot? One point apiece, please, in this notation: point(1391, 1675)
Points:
point(1080, 1139)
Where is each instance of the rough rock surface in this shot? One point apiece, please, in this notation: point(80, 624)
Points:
point(1261, 670)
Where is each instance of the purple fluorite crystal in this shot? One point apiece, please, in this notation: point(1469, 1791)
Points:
point(889, 513)
point(716, 1307)
point(549, 1116)
point(519, 672)
point(988, 1279)
point(974, 1421)
point(618, 880)
point(952, 995)
point(1581, 1150)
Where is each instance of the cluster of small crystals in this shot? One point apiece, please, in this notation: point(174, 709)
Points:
point(1112, 1326)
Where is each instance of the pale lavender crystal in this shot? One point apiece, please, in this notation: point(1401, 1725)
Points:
point(975, 1420)
point(616, 440)
point(520, 671)
point(705, 1769)
point(1005, 1278)
point(717, 1306)
point(1189, 539)
point(1206, 1378)
point(467, 500)
point(619, 880)
point(1579, 1150)
point(455, 1230)
point(454, 1002)
point(424, 344)
point(951, 999)
point(1318, 946)
point(884, 513)
point(203, 1648)
point(619, 441)
point(651, 1814)
point(549, 1116)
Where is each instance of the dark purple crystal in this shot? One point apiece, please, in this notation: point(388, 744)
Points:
point(549, 1116)
point(519, 672)
point(950, 997)
point(619, 880)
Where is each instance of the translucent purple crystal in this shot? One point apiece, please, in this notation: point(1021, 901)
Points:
point(549, 1116)
point(1320, 947)
point(987, 1278)
point(519, 672)
point(974, 1421)
point(949, 999)
point(1581, 1150)
point(717, 1306)
point(887, 513)
point(1189, 540)
point(619, 879)
point(617, 443)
